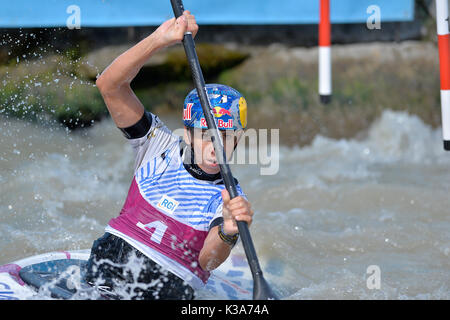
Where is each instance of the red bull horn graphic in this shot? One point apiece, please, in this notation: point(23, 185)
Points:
point(219, 112)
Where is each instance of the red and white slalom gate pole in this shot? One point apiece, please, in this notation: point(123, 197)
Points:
point(443, 26)
point(325, 52)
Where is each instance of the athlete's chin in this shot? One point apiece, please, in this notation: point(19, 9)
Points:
point(211, 167)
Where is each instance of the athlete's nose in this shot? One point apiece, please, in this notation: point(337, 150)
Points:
point(212, 152)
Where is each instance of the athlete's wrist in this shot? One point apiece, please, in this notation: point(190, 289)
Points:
point(229, 227)
point(156, 42)
point(229, 239)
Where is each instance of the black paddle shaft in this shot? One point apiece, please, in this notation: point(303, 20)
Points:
point(261, 290)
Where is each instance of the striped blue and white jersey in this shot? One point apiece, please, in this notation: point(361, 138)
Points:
point(167, 207)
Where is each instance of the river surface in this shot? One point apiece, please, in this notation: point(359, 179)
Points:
point(331, 214)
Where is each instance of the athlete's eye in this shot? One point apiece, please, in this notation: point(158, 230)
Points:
point(228, 136)
point(206, 135)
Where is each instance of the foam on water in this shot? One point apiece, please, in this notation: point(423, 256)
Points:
point(66, 192)
point(338, 206)
point(334, 207)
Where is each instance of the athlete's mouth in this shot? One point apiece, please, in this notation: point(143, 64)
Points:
point(212, 163)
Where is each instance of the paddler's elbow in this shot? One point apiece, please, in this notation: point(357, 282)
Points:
point(100, 82)
point(208, 263)
point(106, 85)
point(203, 262)
point(103, 84)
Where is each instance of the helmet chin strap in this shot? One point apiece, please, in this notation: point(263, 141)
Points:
point(193, 168)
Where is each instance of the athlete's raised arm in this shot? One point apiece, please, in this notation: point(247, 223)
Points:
point(114, 83)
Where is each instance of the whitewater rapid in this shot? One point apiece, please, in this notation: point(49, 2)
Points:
point(332, 209)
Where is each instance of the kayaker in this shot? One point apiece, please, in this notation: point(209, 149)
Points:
point(178, 222)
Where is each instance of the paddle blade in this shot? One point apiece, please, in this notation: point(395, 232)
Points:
point(261, 290)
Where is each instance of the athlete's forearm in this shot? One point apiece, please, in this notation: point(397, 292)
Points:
point(214, 251)
point(125, 67)
point(114, 83)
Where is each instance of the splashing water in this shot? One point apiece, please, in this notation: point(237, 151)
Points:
point(333, 209)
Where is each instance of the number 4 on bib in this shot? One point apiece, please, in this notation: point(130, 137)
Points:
point(158, 227)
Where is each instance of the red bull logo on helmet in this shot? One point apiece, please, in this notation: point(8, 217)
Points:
point(225, 125)
point(219, 112)
point(221, 124)
point(187, 113)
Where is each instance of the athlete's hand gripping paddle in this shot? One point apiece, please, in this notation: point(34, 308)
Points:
point(261, 289)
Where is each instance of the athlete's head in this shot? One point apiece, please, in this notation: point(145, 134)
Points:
point(230, 113)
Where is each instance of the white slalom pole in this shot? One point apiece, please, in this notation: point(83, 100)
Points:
point(325, 52)
point(443, 30)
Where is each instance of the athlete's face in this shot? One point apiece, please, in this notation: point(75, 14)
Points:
point(204, 153)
